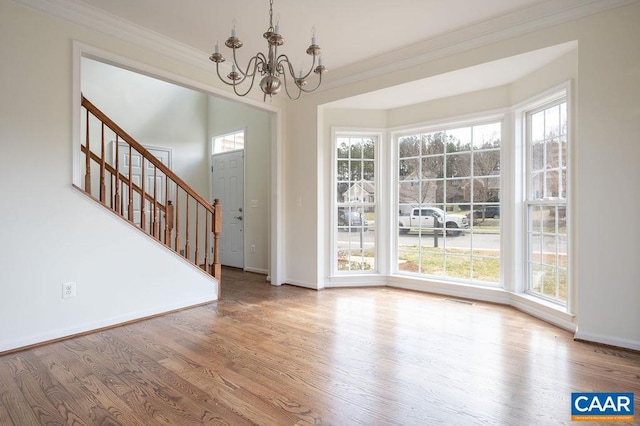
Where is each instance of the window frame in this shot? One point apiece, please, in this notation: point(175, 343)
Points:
point(224, 135)
point(447, 125)
point(335, 205)
point(555, 98)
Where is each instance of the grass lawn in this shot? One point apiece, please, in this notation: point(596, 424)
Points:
point(451, 262)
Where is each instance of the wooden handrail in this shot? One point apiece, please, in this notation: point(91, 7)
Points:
point(145, 153)
point(160, 226)
point(123, 178)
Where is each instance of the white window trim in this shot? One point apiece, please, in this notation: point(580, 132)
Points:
point(345, 278)
point(522, 298)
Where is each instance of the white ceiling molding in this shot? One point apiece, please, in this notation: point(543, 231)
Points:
point(532, 18)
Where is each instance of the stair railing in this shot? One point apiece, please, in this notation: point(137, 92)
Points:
point(156, 200)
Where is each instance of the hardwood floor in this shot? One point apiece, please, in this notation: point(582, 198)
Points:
point(285, 355)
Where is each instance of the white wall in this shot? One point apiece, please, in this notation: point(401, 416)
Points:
point(49, 232)
point(226, 117)
point(155, 113)
point(607, 272)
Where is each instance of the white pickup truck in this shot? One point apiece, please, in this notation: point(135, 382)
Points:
point(432, 219)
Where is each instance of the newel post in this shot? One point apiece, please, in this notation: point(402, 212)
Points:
point(216, 226)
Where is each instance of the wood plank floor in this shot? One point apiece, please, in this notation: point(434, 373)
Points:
point(285, 355)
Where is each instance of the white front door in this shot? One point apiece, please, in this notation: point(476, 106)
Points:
point(227, 179)
point(151, 184)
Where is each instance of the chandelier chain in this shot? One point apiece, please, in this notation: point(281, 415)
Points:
point(270, 15)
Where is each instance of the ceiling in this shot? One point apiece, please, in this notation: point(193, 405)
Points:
point(358, 37)
point(348, 31)
point(466, 80)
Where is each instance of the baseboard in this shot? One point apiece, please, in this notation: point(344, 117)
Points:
point(608, 340)
point(258, 271)
point(56, 335)
point(302, 284)
point(463, 291)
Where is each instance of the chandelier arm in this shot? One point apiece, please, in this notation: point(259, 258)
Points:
point(286, 87)
point(221, 77)
point(253, 79)
point(235, 84)
point(256, 60)
point(238, 67)
point(281, 60)
point(284, 58)
point(315, 88)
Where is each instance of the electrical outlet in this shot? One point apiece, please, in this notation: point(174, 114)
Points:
point(68, 290)
point(253, 248)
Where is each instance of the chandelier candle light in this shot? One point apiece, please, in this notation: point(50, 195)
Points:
point(272, 67)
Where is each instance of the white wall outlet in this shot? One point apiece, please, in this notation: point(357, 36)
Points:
point(68, 290)
point(253, 248)
point(255, 203)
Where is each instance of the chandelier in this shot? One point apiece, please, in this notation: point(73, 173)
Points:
point(276, 70)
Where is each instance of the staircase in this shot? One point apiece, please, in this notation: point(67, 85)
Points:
point(126, 178)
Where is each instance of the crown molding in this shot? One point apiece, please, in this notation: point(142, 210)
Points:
point(88, 16)
point(536, 17)
point(533, 18)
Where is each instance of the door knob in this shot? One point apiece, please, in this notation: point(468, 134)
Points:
point(238, 217)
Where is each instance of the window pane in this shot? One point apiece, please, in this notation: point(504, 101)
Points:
point(432, 167)
point(409, 146)
point(230, 142)
point(486, 136)
point(552, 184)
point(343, 148)
point(409, 192)
point(537, 156)
point(552, 122)
point(440, 240)
point(537, 127)
point(537, 182)
point(355, 249)
point(458, 191)
point(368, 149)
point(459, 165)
point(343, 170)
point(368, 170)
point(432, 144)
point(486, 190)
point(408, 169)
point(486, 163)
point(553, 153)
point(460, 137)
